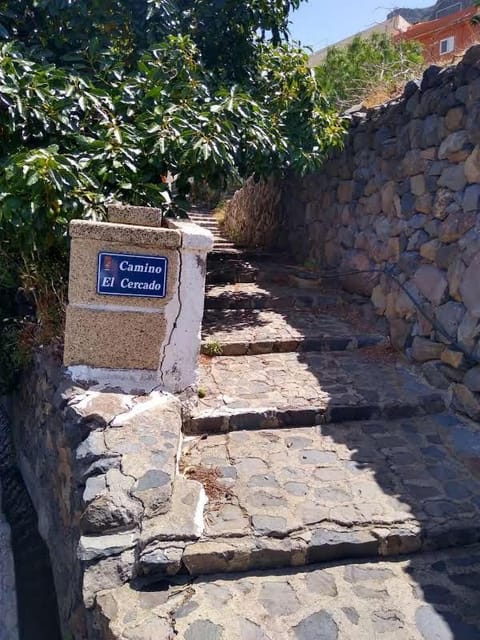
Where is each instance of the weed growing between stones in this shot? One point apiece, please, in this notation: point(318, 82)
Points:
point(212, 348)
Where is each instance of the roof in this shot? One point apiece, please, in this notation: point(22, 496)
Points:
point(429, 27)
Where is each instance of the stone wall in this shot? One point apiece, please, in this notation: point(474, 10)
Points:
point(100, 466)
point(401, 206)
point(252, 215)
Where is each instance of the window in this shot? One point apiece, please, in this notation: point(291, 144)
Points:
point(447, 45)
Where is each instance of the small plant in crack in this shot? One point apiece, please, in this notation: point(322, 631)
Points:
point(212, 348)
point(201, 393)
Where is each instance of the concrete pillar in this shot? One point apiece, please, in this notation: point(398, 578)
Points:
point(136, 294)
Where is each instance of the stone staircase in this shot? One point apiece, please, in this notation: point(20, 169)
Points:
point(314, 444)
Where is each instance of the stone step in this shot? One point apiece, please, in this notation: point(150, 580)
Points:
point(266, 296)
point(290, 389)
point(235, 332)
point(235, 270)
point(248, 253)
point(419, 597)
point(326, 493)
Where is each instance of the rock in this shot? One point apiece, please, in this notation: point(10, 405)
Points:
point(417, 185)
point(424, 350)
point(413, 163)
point(454, 118)
point(453, 177)
point(318, 626)
point(470, 287)
point(435, 376)
point(471, 199)
point(443, 198)
point(416, 240)
point(432, 283)
point(96, 547)
point(278, 598)
point(400, 331)
point(449, 316)
point(345, 191)
point(107, 574)
point(430, 77)
point(453, 358)
point(362, 283)
point(453, 143)
point(431, 134)
point(379, 299)
point(322, 583)
point(472, 166)
point(162, 559)
point(468, 331)
point(110, 511)
point(153, 630)
point(203, 630)
point(455, 226)
point(455, 275)
point(465, 401)
point(472, 56)
point(429, 249)
point(472, 379)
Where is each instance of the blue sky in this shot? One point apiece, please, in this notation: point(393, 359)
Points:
point(319, 23)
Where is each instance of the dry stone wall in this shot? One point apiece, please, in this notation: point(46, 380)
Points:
point(99, 466)
point(252, 216)
point(397, 212)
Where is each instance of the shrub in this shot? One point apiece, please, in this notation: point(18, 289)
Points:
point(376, 67)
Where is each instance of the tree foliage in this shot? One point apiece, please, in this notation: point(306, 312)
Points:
point(101, 99)
point(367, 66)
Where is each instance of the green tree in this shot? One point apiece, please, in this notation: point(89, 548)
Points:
point(366, 66)
point(100, 99)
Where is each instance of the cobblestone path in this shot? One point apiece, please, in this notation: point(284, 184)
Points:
point(344, 500)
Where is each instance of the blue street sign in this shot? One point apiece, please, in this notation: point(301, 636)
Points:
point(124, 274)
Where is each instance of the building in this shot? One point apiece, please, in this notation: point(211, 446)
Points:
point(445, 37)
point(440, 9)
point(394, 26)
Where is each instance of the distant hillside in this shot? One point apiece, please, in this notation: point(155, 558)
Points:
point(438, 10)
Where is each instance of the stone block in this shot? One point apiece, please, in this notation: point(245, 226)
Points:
point(345, 191)
point(472, 379)
point(140, 216)
point(449, 317)
point(443, 198)
point(453, 143)
point(470, 287)
point(463, 400)
point(472, 166)
point(471, 199)
point(432, 283)
point(417, 185)
point(455, 275)
point(455, 226)
point(424, 350)
point(453, 178)
point(429, 250)
point(435, 376)
point(454, 118)
point(400, 331)
point(126, 234)
point(468, 331)
point(453, 358)
point(116, 340)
